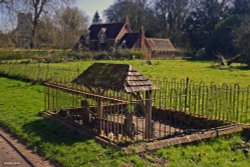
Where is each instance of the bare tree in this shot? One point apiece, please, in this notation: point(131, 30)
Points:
point(36, 7)
point(173, 13)
point(72, 23)
point(136, 10)
point(39, 7)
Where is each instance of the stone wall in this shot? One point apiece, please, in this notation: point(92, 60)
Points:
point(24, 30)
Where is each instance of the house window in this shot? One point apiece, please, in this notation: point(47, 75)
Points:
point(102, 35)
point(102, 38)
point(124, 44)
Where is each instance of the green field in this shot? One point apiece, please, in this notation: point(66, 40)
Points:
point(21, 105)
point(179, 69)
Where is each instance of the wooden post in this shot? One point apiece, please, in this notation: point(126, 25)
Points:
point(45, 98)
point(186, 93)
point(100, 115)
point(148, 121)
point(99, 108)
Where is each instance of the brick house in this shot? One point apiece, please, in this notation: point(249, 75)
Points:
point(138, 41)
point(103, 37)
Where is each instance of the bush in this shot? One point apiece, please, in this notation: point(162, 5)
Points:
point(28, 61)
point(101, 56)
point(57, 56)
point(77, 55)
point(127, 54)
point(21, 54)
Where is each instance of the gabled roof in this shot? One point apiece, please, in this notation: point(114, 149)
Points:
point(130, 39)
point(111, 30)
point(159, 44)
point(118, 77)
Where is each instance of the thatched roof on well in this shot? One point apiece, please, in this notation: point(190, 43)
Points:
point(118, 77)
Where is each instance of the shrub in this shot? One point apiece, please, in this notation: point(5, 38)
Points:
point(127, 54)
point(101, 56)
point(57, 56)
point(25, 61)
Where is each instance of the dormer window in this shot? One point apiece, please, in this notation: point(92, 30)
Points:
point(102, 38)
point(102, 35)
point(123, 45)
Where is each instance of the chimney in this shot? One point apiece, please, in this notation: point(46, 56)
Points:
point(119, 19)
point(142, 38)
point(127, 19)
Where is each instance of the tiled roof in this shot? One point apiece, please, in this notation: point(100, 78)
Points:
point(130, 39)
point(111, 30)
point(159, 44)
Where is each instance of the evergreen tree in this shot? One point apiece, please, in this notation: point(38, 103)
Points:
point(96, 18)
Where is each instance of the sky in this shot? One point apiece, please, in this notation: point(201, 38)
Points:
point(88, 6)
point(91, 6)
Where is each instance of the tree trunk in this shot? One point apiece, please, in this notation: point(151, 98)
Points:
point(33, 35)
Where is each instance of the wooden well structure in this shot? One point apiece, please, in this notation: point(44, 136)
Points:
point(109, 99)
point(118, 103)
point(102, 77)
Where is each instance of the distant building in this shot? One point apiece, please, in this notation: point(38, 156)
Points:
point(103, 37)
point(24, 30)
point(140, 42)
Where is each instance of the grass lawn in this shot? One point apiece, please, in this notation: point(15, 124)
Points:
point(180, 69)
point(21, 105)
point(20, 108)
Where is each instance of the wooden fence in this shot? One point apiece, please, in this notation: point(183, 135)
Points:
point(179, 107)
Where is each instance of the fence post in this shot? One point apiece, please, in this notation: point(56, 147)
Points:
point(148, 121)
point(247, 120)
point(45, 98)
point(38, 72)
point(47, 73)
point(186, 92)
point(99, 108)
